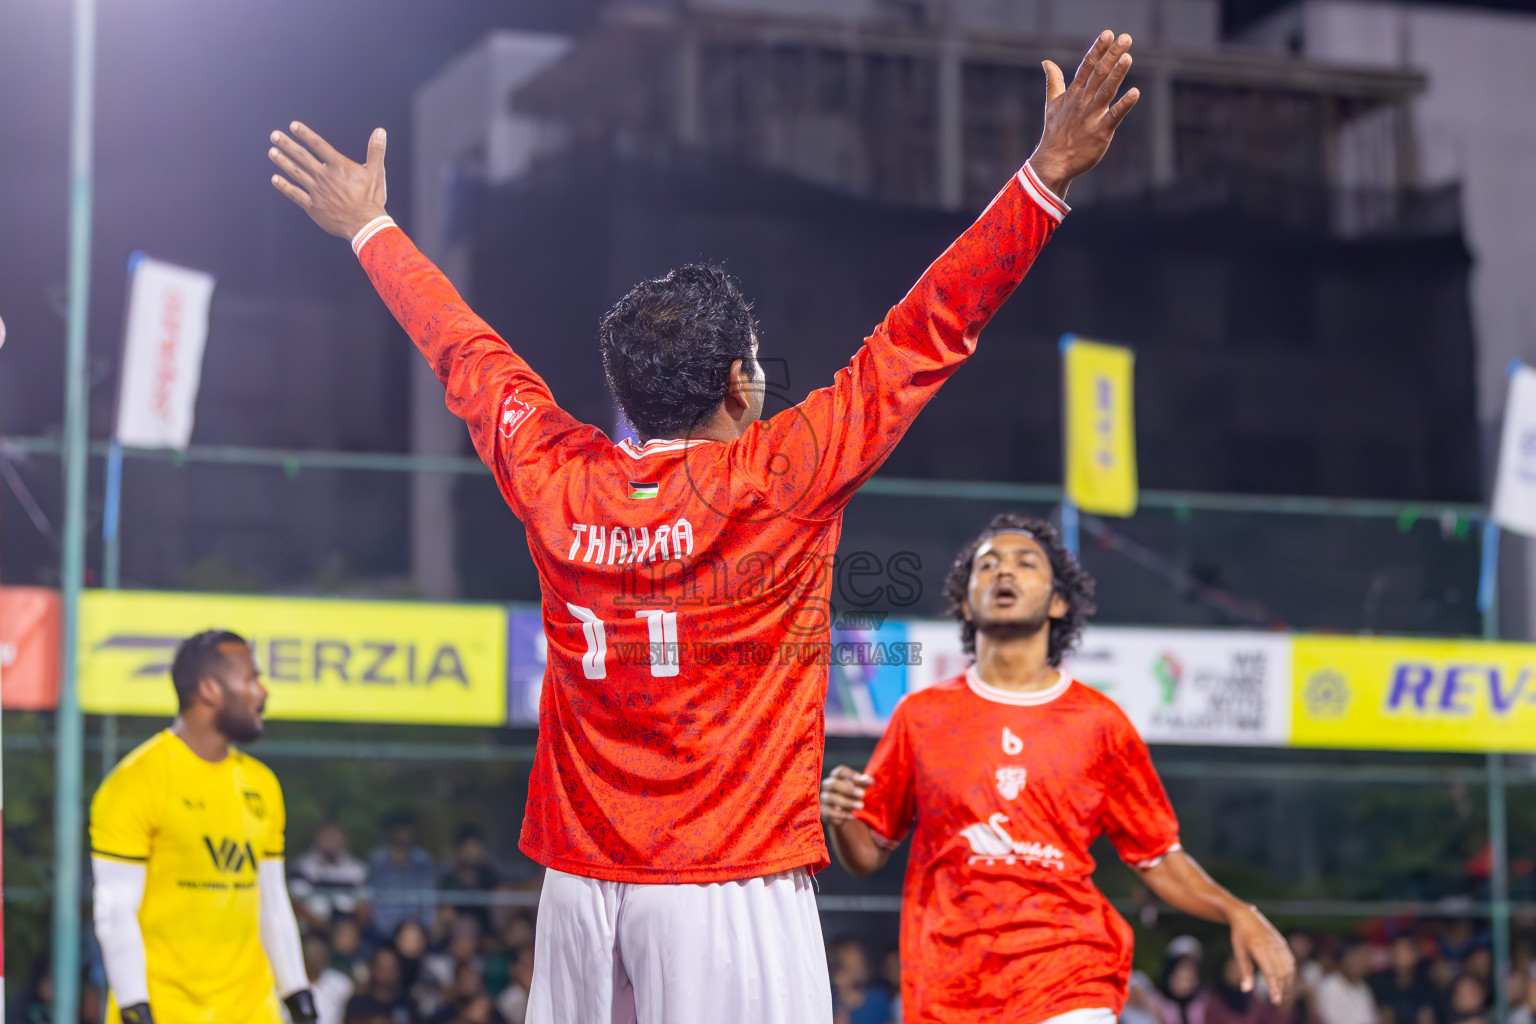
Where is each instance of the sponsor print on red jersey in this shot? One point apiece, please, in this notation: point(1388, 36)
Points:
point(1004, 793)
point(686, 584)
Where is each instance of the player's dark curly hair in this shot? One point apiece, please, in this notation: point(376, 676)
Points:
point(1068, 578)
point(198, 656)
point(668, 347)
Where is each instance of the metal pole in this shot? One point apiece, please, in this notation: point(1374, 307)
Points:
point(67, 764)
point(1498, 821)
point(1498, 842)
point(111, 559)
point(1069, 532)
point(111, 550)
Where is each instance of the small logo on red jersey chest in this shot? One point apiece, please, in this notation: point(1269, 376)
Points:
point(641, 491)
point(991, 844)
point(1012, 745)
point(1011, 780)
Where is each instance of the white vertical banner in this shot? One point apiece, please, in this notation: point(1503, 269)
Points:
point(166, 330)
point(1514, 491)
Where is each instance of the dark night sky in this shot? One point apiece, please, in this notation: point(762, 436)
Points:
point(187, 91)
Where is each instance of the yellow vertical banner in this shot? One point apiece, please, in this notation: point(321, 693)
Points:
point(1100, 426)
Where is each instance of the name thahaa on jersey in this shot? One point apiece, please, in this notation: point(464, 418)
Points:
point(620, 545)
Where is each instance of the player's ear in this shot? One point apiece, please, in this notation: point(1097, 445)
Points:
point(1059, 607)
point(210, 691)
point(737, 396)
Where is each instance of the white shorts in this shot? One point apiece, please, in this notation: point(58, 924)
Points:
point(1104, 1016)
point(747, 952)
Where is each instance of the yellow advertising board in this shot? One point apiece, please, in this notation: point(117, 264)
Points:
point(321, 659)
point(1100, 426)
point(1387, 693)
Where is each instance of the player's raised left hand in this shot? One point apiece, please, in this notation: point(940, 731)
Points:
point(1257, 944)
point(1081, 118)
point(339, 194)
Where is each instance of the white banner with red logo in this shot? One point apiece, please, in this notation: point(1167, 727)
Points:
point(1204, 687)
point(1201, 687)
point(166, 329)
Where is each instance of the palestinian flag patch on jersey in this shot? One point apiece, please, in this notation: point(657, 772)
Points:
point(639, 492)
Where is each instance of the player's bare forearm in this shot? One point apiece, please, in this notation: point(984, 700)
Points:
point(856, 849)
point(842, 793)
point(340, 195)
point(1182, 883)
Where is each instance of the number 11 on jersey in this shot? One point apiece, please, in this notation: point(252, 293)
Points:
point(665, 653)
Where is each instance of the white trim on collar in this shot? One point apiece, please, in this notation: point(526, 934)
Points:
point(655, 446)
point(1029, 699)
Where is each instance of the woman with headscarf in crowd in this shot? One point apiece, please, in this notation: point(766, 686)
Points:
point(1180, 997)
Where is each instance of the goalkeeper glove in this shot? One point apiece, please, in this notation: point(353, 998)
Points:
point(138, 1013)
point(301, 1007)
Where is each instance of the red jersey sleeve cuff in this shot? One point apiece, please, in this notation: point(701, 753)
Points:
point(1152, 862)
point(1055, 207)
point(370, 229)
point(880, 838)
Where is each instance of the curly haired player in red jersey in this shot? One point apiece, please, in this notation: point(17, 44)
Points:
point(1005, 776)
point(685, 580)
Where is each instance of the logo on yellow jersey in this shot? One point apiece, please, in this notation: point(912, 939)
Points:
point(255, 804)
point(230, 857)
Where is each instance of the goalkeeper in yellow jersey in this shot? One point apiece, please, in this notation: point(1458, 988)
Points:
point(191, 905)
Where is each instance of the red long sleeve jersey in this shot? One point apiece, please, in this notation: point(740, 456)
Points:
point(1004, 793)
point(686, 584)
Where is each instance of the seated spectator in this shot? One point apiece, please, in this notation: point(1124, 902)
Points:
point(1181, 999)
point(410, 945)
point(890, 973)
point(516, 940)
point(1229, 1004)
point(468, 988)
point(1404, 994)
point(472, 872)
point(1342, 996)
point(1308, 971)
point(1524, 1011)
point(463, 946)
point(1469, 1000)
point(331, 987)
point(854, 999)
point(512, 1004)
point(1140, 1001)
point(347, 948)
point(402, 878)
point(382, 998)
point(324, 880)
point(479, 1010)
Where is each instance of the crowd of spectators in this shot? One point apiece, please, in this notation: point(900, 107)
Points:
point(1414, 972)
point(398, 938)
point(431, 944)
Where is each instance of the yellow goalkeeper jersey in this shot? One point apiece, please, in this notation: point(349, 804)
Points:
point(200, 830)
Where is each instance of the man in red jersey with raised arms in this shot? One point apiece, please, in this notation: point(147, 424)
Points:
point(686, 581)
point(1004, 777)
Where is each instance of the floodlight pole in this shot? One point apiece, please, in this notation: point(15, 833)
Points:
point(67, 816)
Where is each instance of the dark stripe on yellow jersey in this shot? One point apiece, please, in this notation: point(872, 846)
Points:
point(118, 856)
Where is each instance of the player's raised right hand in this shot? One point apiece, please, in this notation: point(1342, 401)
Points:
point(1081, 118)
point(842, 793)
point(340, 195)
